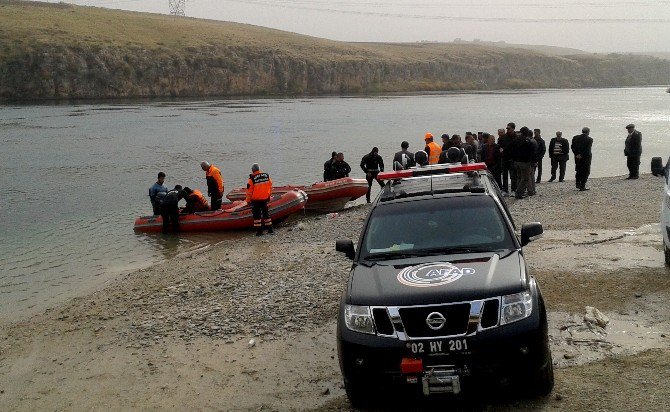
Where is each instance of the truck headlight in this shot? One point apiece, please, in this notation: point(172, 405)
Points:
point(359, 319)
point(516, 307)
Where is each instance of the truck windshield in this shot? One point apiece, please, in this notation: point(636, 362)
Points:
point(433, 226)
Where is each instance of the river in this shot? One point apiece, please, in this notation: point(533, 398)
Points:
point(75, 175)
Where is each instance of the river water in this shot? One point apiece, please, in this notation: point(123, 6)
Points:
point(74, 176)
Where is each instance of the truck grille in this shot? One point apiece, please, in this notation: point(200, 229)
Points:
point(414, 319)
point(490, 313)
point(382, 321)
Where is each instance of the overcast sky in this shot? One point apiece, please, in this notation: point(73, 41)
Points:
point(591, 25)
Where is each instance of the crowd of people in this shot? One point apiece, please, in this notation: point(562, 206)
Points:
point(514, 157)
point(166, 202)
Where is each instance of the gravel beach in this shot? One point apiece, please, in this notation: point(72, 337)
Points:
point(249, 323)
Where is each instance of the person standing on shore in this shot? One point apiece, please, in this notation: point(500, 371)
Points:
point(559, 153)
point(259, 190)
point(327, 167)
point(154, 190)
point(455, 143)
point(507, 163)
point(372, 164)
point(523, 152)
point(214, 184)
point(633, 151)
point(470, 147)
point(581, 148)
point(170, 209)
point(432, 149)
point(339, 168)
point(541, 151)
point(404, 158)
point(533, 162)
point(446, 144)
point(491, 156)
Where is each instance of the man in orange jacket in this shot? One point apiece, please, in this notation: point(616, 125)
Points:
point(432, 149)
point(214, 184)
point(259, 190)
point(195, 201)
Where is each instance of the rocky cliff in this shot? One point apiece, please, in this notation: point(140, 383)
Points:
point(61, 62)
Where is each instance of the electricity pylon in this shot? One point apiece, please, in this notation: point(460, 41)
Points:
point(177, 7)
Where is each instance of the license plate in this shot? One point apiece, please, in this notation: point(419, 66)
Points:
point(439, 347)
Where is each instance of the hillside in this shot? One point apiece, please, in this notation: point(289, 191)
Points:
point(62, 51)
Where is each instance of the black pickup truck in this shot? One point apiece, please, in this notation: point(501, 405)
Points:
point(439, 299)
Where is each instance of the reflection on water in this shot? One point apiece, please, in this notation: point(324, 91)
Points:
point(75, 176)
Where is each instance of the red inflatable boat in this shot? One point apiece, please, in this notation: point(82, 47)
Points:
point(323, 196)
point(281, 206)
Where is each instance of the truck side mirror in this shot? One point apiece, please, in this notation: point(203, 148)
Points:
point(529, 231)
point(657, 168)
point(346, 247)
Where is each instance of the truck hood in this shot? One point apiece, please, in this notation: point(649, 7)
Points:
point(437, 279)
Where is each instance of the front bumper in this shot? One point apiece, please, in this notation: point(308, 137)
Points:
point(501, 355)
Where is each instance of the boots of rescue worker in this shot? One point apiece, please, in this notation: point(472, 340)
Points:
point(267, 222)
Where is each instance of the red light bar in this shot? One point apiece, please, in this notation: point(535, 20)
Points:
point(431, 170)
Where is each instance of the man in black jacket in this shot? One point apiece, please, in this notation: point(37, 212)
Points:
point(559, 153)
point(507, 165)
point(327, 166)
point(633, 151)
point(170, 209)
point(372, 164)
point(541, 151)
point(403, 159)
point(581, 148)
point(491, 156)
point(523, 152)
point(339, 168)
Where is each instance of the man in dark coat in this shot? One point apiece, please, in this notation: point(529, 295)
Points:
point(403, 159)
point(559, 153)
point(339, 168)
point(327, 166)
point(523, 155)
point(633, 151)
point(170, 209)
point(507, 165)
point(541, 151)
point(372, 164)
point(491, 156)
point(581, 148)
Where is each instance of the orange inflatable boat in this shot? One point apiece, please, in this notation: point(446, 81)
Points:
point(280, 206)
point(323, 196)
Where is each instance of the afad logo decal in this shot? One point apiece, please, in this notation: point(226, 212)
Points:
point(432, 274)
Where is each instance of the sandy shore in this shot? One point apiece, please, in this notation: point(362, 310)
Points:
point(250, 324)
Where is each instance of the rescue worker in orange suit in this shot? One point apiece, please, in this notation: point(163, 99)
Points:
point(195, 201)
point(259, 190)
point(214, 184)
point(432, 149)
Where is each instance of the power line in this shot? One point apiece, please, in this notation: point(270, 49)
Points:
point(453, 18)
